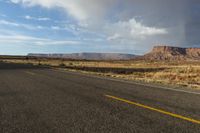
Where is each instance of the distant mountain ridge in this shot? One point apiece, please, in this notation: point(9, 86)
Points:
point(87, 56)
point(172, 53)
point(158, 53)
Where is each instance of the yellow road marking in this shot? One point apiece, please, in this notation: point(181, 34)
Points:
point(155, 109)
point(31, 73)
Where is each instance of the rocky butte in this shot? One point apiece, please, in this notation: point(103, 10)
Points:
point(172, 53)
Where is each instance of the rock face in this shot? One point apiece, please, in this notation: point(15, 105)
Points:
point(87, 56)
point(172, 53)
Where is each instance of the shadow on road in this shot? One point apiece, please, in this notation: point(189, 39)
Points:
point(10, 66)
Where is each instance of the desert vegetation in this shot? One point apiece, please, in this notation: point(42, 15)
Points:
point(178, 73)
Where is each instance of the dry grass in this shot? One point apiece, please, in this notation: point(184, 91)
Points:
point(174, 73)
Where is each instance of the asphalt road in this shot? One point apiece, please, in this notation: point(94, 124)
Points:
point(41, 100)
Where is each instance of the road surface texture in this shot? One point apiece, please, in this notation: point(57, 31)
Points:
point(41, 100)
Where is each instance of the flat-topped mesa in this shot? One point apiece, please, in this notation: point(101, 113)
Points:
point(193, 52)
point(87, 56)
point(172, 53)
point(169, 50)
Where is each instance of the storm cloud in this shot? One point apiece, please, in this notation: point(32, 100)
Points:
point(140, 23)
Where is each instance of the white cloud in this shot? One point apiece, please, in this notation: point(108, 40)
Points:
point(26, 26)
point(55, 28)
point(93, 39)
point(5, 22)
point(22, 39)
point(114, 37)
point(3, 15)
point(80, 9)
point(131, 29)
point(15, 39)
point(36, 18)
point(70, 27)
point(28, 17)
point(55, 42)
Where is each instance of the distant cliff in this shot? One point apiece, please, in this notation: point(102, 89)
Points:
point(172, 53)
point(157, 53)
point(87, 56)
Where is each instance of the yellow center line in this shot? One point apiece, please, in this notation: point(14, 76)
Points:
point(154, 109)
point(31, 73)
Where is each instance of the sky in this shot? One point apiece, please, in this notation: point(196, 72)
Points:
point(106, 26)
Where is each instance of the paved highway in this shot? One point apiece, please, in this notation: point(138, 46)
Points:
point(41, 100)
